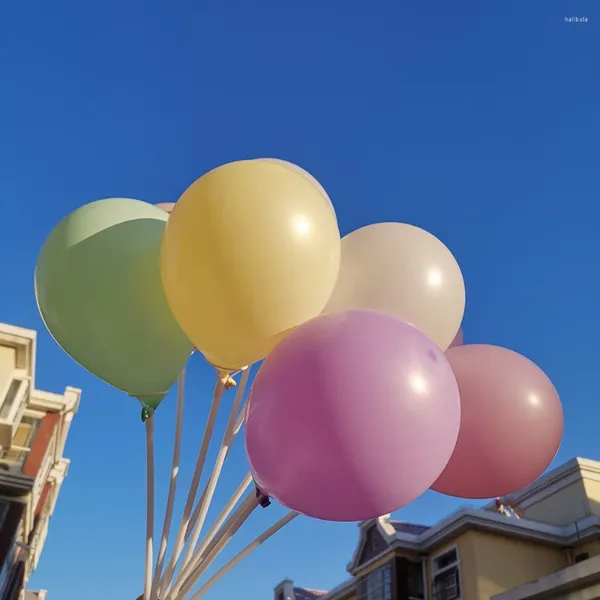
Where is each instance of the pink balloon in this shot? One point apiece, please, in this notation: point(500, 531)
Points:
point(512, 423)
point(458, 339)
point(166, 206)
point(351, 416)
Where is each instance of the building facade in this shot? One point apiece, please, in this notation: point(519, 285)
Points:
point(33, 430)
point(542, 543)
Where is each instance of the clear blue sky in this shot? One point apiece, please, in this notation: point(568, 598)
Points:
point(476, 120)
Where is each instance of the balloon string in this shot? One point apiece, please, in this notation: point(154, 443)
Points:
point(149, 505)
point(187, 511)
point(239, 422)
point(172, 487)
point(231, 526)
point(193, 519)
point(235, 498)
point(226, 443)
point(210, 536)
point(263, 537)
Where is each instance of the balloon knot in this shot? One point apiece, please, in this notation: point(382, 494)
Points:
point(147, 412)
point(263, 499)
point(229, 382)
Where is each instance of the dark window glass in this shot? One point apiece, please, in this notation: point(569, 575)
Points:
point(377, 585)
point(446, 560)
point(446, 585)
point(415, 584)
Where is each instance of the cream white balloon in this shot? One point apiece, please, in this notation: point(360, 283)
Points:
point(304, 173)
point(405, 271)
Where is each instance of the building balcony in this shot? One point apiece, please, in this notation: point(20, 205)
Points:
point(34, 426)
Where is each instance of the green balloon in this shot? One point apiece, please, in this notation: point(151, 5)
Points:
point(99, 292)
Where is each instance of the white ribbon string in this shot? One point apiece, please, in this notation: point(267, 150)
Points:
point(187, 511)
point(240, 421)
point(235, 498)
point(206, 500)
point(263, 537)
point(149, 505)
point(172, 487)
point(210, 536)
point(229, 529)
point(193, 519)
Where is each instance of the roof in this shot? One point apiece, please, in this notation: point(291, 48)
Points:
point(409, 528)
point(307, 594)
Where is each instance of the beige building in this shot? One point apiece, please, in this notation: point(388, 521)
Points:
point(33, 430)
point(548, 547)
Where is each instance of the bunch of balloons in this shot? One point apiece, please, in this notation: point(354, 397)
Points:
point(366, 397)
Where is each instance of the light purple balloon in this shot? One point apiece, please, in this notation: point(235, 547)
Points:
point(352, 416)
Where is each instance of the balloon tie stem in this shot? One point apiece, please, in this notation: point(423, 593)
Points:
point(147, 409)
point(263, 499)
point(226, 378)
point(147, 412)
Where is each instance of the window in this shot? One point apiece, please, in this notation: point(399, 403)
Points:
point(416, 585)
point(377, 585)
point(22, 441)
point(446, 576)
point(5, 569)
point(3, 511)
point(446, 560)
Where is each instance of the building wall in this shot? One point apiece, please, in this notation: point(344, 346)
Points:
point(491, 564)
point(7, 366)
point(592, 548)
point(502, 563)
point(592, 490)
point(563, 507)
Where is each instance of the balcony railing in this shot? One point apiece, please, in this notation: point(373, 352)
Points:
point(15, 456)
point(11, 409)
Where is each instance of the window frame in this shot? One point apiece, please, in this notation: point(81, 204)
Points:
point(435, 571)
point(362, 583)
point(420, 566)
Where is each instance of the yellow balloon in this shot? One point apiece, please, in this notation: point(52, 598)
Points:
point(304, 173)
point(250, 251)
